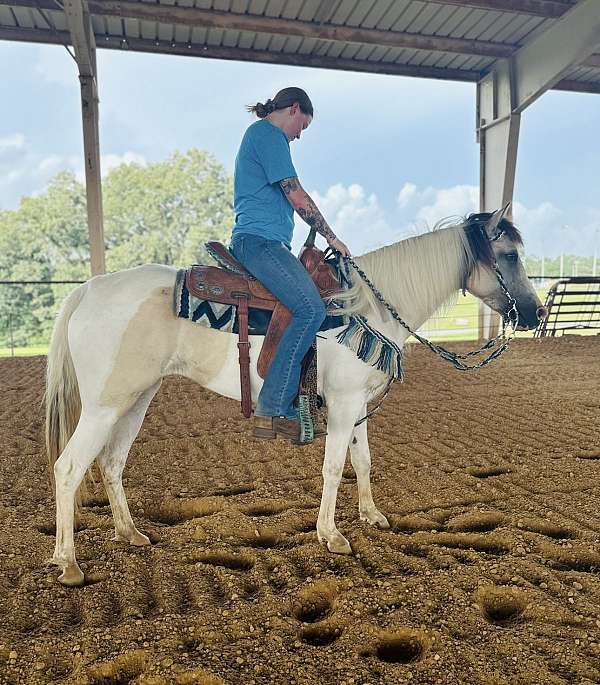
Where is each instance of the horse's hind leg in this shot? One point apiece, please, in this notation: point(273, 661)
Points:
point(88, 439)
point(360, 456)
point(112, 462)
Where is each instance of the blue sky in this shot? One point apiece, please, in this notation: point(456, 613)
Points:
point(384, 157)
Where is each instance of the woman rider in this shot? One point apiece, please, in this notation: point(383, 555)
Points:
point(266, 193)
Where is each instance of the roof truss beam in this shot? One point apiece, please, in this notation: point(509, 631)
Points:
point(188, 16)
point(264, 56)
point(544, 61)
point(537, 8)
point(213, 19)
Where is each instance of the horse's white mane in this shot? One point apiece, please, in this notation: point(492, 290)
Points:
point(418, 274)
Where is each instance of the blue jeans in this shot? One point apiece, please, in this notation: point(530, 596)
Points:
point(272, 263)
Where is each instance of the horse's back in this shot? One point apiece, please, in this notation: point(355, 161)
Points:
point(133, 283)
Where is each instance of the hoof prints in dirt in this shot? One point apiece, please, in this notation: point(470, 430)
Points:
point(487, 471)
point(233, 491)
point(123, 669)
point(588, 454)
point(261, 540)
point(413, 523)
point(501, 606)
point(134, 666)
point(49, 528)
point(402, 646)
point(551, 530)
point(471, 522)
point(320, 635)
point(265, 509)
point(312, 606)
point(570, 558)
point(174, 511)
point(476, 522)
point(234, 562)
point(465, 541)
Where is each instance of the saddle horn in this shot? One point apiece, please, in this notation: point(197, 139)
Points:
point(310, 239)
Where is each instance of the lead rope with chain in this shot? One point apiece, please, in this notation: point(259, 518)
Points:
point(511, 317)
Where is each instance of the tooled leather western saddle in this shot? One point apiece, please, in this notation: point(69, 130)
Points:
point(231, 283)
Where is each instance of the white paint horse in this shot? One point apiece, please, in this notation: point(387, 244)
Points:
point(116, 338)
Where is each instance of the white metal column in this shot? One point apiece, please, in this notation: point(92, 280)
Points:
point(82, 37)
point(498, 134)
point(511, 86)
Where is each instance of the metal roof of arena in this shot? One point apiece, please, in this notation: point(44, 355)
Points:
point(448, 39)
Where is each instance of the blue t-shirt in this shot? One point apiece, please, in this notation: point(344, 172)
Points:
point(261, 208)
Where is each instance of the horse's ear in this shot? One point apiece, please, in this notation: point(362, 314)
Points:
point(496, 218)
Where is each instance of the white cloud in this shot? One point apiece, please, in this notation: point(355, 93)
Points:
point(109, 162)
point(360, 219)
point(447, 202)
point(544, 228)
point(16, 141)
point(23, 171)
point(50, 164)
point(355, 216)
point(406, 194)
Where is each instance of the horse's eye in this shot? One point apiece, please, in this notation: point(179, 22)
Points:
point(511, 257)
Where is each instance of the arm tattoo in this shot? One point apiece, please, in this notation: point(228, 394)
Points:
point(310, 212)
point(315, 219)
point(288, 185)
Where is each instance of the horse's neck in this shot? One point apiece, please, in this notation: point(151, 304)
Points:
point(417, 276)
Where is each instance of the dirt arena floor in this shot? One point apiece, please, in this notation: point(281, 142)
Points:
point(489, 575)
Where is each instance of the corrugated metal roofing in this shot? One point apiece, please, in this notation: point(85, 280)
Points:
point(446, 39)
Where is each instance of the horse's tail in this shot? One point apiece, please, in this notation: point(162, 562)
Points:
point(63, 403)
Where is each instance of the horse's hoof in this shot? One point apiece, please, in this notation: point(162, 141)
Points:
point(338, 544)
point(375, 518)
point(72, 576)
point(139, 539)
point(136, 538)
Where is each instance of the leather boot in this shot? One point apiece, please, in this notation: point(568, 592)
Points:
point(320, 428)
point(263, 428)
point(270, 427)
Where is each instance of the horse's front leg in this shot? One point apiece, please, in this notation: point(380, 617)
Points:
point(360, 456)
point(342, 414)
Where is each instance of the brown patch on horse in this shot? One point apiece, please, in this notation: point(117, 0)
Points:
point(154, 337)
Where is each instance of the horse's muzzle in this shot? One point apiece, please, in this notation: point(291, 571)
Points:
point(527, 325)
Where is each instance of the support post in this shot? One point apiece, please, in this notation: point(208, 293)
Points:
point(93, 182)
point(498, 133)
point(511, 86)
point(82, 38)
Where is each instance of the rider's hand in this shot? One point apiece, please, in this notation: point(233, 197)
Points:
point(339, 246)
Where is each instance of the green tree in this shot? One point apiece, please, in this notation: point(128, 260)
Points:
point(44, 239)
point(162, 213)
point(165, 212)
